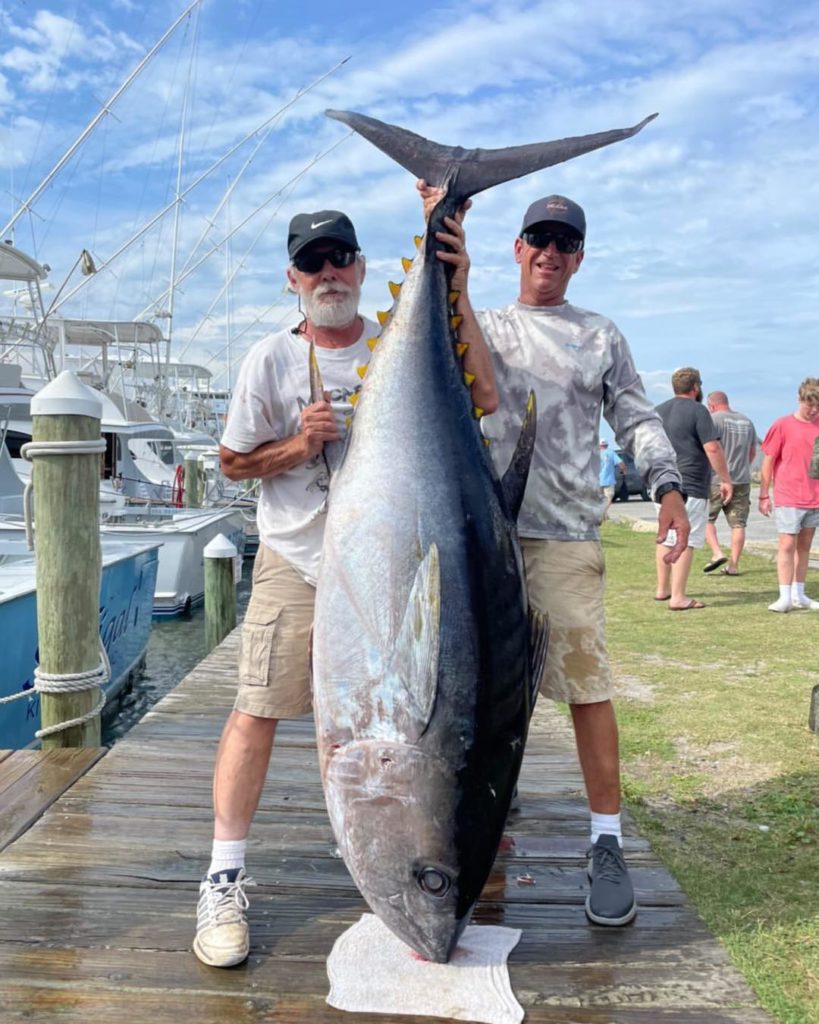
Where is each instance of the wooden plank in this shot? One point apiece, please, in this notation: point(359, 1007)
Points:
point(99, 896)
point(72, 1005)
point(31, 780)
point(699, 983)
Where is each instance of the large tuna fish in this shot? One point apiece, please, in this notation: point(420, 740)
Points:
point(423, 664)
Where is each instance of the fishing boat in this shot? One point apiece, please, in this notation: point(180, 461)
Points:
point(129, 572)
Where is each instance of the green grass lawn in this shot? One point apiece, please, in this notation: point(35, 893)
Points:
point(719, 767)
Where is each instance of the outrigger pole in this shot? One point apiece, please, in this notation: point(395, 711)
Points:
point(105, 109)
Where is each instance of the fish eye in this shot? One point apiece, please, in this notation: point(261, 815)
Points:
point(433, 882)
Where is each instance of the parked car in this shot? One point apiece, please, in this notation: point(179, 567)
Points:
point(632, 482)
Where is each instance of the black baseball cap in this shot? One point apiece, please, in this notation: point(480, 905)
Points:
point(306, 228)
point(555, 209)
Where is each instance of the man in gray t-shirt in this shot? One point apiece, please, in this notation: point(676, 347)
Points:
point(695, 439)
point(739, 439)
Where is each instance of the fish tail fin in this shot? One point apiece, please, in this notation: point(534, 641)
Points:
point(465, 172)
point(514, 479)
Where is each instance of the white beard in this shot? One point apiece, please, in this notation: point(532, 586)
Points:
point(333, 311)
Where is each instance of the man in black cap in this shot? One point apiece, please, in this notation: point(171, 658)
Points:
point(578, 364)
point(276, 433)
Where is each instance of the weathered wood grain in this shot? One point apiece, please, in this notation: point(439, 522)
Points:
point(31, 780)
point(97, 899)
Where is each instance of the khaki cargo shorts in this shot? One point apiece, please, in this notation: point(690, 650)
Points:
point(736, 510)
point(565, 582)
point(274, 661)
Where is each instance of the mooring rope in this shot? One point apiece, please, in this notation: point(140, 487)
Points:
point(63, 682)
point(32, 448)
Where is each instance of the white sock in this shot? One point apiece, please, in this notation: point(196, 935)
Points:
point(797, 592)
point(785, 591)
point(605, 825)
point(227, 854)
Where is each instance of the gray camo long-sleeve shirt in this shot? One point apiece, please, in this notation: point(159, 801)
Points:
point(578, 364)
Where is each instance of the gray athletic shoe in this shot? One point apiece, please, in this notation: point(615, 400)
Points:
point(611, 900)
point(222, 936)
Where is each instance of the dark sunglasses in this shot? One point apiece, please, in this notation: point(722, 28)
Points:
point(312, 262)
point(543, 239)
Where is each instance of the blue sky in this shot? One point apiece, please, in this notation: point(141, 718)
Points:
point(702, 230)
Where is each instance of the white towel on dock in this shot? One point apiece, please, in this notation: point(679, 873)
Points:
point(373, 971)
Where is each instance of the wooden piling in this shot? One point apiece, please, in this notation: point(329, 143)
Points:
point(220, 590)
point(69, 558)
point(193, 482)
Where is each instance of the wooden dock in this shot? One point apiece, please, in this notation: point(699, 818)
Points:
point(98, 895)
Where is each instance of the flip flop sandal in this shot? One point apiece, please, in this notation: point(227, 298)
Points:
point(692, 604)
point(715, 563)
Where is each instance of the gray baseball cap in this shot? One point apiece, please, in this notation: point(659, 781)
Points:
point(306, 228)
point(555, 209)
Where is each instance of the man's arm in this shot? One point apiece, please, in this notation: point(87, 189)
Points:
point(716, 456)
point(765, 477)
point(477, 358)
point(673, 516)
point(318, 425)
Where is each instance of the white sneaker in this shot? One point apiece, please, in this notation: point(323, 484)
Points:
point(222, 935)
point(783, 604)
point(805, 602)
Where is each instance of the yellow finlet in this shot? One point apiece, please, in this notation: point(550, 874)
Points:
point(361, 371)
point(406, 263)
point(453, 297)
point(348, 421)
point(455, 322)
point(382, 316)
point(371, 343)
point(487, 442)
point(469, 379)
point(460, 348)
point(418, 239)
point(478, 412)
point(395, 289)
point(354, 397)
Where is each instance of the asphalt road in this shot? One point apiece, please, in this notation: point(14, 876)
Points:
point(760, 533)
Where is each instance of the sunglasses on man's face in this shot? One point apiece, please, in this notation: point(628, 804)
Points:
point(543, 239)
point(311, 262)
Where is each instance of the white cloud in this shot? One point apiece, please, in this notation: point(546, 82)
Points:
point(699, 229)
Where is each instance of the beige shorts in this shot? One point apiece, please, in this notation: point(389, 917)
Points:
point(565, 581)
point(274, 661)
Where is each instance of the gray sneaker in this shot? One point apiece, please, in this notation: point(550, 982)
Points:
point(222, 936)
point(611, 900)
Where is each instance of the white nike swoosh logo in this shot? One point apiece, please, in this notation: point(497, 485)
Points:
point(321, 224)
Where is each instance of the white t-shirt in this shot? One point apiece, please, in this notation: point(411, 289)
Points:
point(272, 389)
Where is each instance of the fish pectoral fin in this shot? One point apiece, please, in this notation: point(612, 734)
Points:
point(538, 647)
point(517, 472)
point(414, 659)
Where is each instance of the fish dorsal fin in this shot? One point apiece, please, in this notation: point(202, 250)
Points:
point(517, 473)
point(465, 172)
point(413, 664)
point(538, 647)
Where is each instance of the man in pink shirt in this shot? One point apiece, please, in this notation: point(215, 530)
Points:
point(788, 448)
